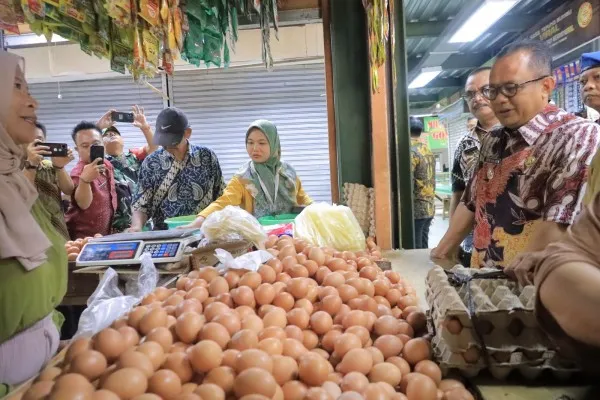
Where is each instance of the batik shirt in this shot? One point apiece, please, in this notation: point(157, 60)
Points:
point(466, 158)
point(190, 185)
point(423, 167)
point(126, 170)
point(532, 174)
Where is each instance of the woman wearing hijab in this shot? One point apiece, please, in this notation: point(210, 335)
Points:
point(33, 260)
point(264, 185)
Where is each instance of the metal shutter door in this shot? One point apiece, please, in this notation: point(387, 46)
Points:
point(88, 100)
point(220, 104)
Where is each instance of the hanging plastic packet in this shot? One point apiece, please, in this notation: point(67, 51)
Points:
point(213, 45)
point(122, 36)
point(120, 11)
point(67, 7)
point(32, 9)
point(120, 58)
point(193, 46)
point(151, 46)
point(102, 22)
point(149, 11)
point(11, 14)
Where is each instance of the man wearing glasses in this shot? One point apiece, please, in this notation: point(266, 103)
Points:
point(532, 172)
point(589, 82)
point(466, 155)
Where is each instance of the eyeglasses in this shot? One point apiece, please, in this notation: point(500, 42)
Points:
point(508, 89)
point(471, 94)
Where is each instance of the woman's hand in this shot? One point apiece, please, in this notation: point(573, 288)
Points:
point(194, 225)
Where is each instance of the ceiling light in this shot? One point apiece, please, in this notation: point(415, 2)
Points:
point(426, 76)
point(481, 20)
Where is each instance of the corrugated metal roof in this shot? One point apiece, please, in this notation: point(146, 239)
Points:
point(432, 10)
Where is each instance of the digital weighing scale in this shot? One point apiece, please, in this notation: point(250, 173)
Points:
point(127, 248)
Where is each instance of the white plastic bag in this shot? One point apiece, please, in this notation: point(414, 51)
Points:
point(249, 261)
point(108, 303)
point(327, 225)
point(231, 223)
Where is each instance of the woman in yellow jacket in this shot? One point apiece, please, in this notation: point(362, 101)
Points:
point(264, 185)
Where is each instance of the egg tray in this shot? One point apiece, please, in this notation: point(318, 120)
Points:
point(531, 365)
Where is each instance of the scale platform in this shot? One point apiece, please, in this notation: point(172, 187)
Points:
point(127, 248)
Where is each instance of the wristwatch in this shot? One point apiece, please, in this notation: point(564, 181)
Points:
point(29, 165)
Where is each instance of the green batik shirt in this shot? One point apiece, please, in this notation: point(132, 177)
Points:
point(423, 169)
point(126, 178)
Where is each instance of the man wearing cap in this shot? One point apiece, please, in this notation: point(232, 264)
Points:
point(126, 165)
point(178, 179)
point(590, 92)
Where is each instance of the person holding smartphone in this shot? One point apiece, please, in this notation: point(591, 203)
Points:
point(49, 177)
point(94, 200)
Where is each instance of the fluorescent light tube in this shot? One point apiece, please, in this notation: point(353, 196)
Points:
point(426, 76)
point(482, 19)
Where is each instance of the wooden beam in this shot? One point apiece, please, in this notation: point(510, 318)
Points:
point(298, 4)
point(333, 161)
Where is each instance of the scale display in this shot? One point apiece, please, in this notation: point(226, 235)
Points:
point(109, 251)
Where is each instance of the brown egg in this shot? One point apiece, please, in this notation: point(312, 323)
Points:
point(49, 374)
point(271, 346)
point(153, 319)
point(356, 360)
point(313, 369)
point(207, 273)
point(298, 287)
point(104, 395)
point(230, 358)
point(446, 385)
point(292, 332)
point(363, 333)
point(334, 279)
point(311, 266)
point(164, 383)
point(38, 390)
point(244, 311)
point(253, 358)
point(288, 262)
point(224, 377)
point(332, 389)
point(386, 372)
point(416, 350)
point(162, 336)
point(250, 279)
point(276, 317)
point(275, 264)
point(279, 287)
point(226, 299)
point(317, 393)
point(401, 363)
point(189, 305)
point(210, 391)
point(255, 381)
point(267, 274)
point(243, 296)
point(458, 394)
point(421, 387)
point(205, 356)
point(293, 348)
point(138, 360)
point(417, 320)
point(199, 293)
point(243, 340)
point(376, 355)
point(283, 277)
point(89, 363)
point(386, 325)
point(126, 383)
point(306, 304)
point(130, 336)
point(347, 292)
point(294, 390)
point(321, 322)
point(215, 332)
point(180, 364)
point(389, 345)
point(354, 382)
point(264, 294)
point(232, 279)
point(179, 347)
point(335, 377)
point(154, 352)
point(430, 369)
point(212, 310)
point(405, 329)
point(339, 317)
point(110, 343)
point(231, 321)
point(298, 317)
point(264, 309)
point(331, 304)
point(253, 323)
point(337, 264)
point(310, 340)
point(355, 317)
point(77, 346)
point(217, 286)
point(346, 342)
point(317, 255)
point(329, 339)
point(188, 327)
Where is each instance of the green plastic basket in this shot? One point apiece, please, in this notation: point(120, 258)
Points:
point(277, 219)
point(175, 222)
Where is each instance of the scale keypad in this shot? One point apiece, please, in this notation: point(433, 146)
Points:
point(161, 250)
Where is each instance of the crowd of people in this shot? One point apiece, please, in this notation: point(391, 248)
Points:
point(110, 190)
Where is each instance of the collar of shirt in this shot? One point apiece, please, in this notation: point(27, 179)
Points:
point(539, 124)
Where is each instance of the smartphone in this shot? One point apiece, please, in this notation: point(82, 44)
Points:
point(56, 149)
point(122, 117)
point(96, 151)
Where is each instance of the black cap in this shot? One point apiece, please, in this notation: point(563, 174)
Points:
point(171, 124)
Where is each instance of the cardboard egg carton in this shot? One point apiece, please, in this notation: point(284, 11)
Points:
point(504, 312)
point(531, 365)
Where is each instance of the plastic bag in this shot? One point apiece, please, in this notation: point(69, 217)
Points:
point(108, 303)
point(326, 225)
point(249, 261)
point(233, 222)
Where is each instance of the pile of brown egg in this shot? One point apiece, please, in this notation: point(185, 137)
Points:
point(311, 323)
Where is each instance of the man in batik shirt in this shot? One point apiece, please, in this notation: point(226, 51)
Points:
point(589, 81)
point(466, 155)
point(532, 173)
point(423, 167)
